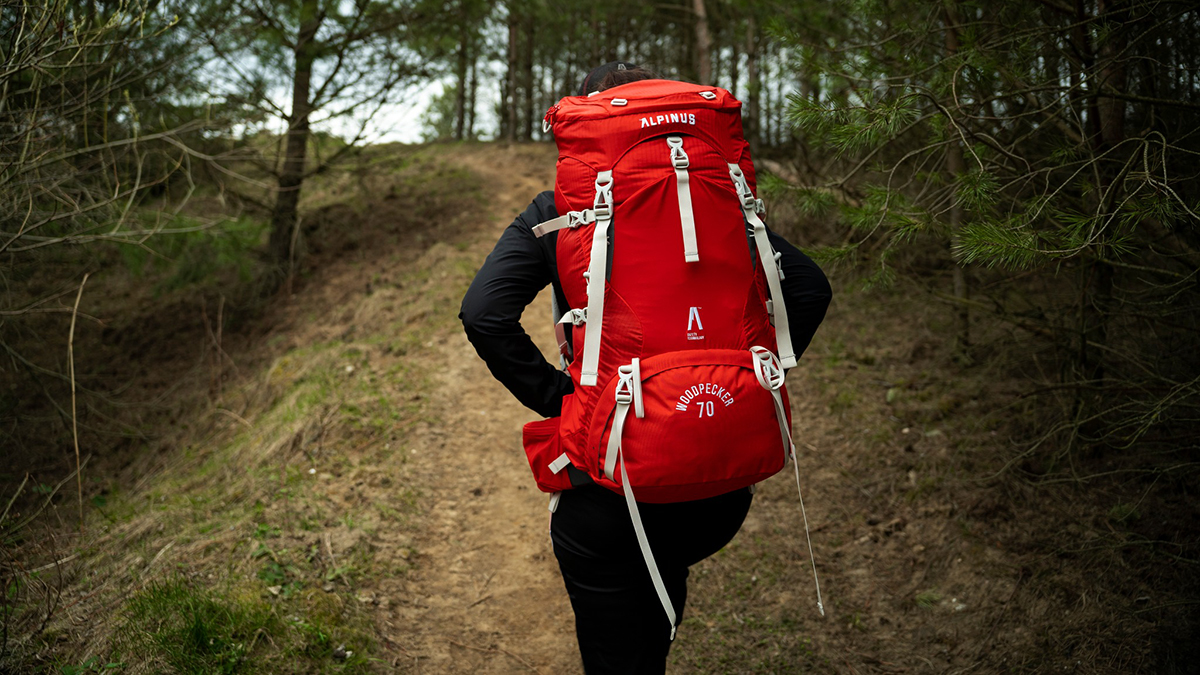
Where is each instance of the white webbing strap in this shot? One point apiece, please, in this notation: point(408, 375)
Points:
point(679, 160)
point(556, 466)
point(614, 440)
point(559, 463)
point(769, 371)
point(596, 280)
point(807, 536)
point(628, 392)
point(572, 220)
point(770, 263)
point(560, 334)
point(575, 317)
point(655, 577)
point(781, 417)
point(770, 374)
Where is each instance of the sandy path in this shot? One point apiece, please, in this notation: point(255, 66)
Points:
point(486, 595)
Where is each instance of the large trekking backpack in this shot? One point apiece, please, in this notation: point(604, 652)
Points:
point(678, 329)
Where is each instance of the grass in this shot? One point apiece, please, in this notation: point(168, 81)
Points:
point(191, 631)
point(178, 261)
point(177, 625)
point(927, 599)
point(230, 550)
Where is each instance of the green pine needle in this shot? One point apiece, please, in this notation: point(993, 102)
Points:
point(977, 189)
point(1006, 244)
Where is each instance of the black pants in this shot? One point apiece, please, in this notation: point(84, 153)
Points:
point(620, 624)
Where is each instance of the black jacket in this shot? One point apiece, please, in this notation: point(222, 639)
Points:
point(521, 265)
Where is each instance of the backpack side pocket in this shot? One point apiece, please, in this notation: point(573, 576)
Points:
point(543, 449)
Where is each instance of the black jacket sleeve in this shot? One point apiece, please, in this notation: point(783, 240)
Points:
point(517, 269)
point(806, 292)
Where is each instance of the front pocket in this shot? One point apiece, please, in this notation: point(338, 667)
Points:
point(709, 427)
point(543, 449)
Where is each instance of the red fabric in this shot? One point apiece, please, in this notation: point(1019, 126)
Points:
point(541, 440)
point(692, 324)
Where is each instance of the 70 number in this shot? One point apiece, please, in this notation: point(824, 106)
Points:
point(706, 408)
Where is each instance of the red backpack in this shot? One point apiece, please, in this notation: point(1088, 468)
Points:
point(678, 325)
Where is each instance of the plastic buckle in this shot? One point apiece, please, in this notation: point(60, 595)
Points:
point(624, 391)
point(577, 218)
point(602, 211)
point(743, 190)
point(779, 264)
point(603, 203)
point(767, 368)
point(629, 387)
point(679, 158)
point(749, 203)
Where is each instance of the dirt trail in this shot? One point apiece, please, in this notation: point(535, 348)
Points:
point(485, 595)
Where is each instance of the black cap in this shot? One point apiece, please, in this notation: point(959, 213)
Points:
point(595, 77)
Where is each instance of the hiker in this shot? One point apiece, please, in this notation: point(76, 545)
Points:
point(619, 619)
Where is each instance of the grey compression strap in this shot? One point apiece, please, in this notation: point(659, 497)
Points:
point(769, 372)
point(771, 267)
point(812, 558)
point(572, 220)
point(680, 162)
point(596, 280)
point(655, 577)
point(628, 392)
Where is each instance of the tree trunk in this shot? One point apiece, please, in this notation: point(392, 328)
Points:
point(593, 42)
point(703, 44)
point(471, 96)
point(753, 86)
point(285, 239)
point(734, 57)
point(955, 166)
point(1108, 115)
point(527, 114)
point(511, 95)
point(765, 123)
point(460, 76)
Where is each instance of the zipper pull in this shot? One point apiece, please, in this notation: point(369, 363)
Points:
point(548, 120)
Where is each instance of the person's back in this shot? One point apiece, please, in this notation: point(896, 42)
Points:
point(624, 299)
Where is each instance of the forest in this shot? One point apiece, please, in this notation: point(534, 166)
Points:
point(231, 371)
